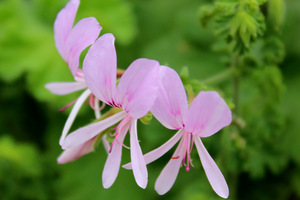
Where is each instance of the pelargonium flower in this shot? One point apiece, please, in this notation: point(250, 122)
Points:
point(135, 95)
point(70, 42)
point(207, 114)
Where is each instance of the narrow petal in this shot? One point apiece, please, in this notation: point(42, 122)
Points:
point(86, 133)
point(84, 33)
point(171, 104)
point(106, 144)
point(63, 25)
point(73, 153)
point(213, 173)
point(112, 165)
point(160, 151)
point(138, 163)
point(73, 114)
point(138, 86)
point(167, 177)
point(207, 114)
point(62, 88)
point(99, 67)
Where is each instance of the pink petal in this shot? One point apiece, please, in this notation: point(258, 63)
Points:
point(86, 133)
point(213, 173)
point(207, 114)
point(138, 163)
point(138, 86)
point(63, 26)
point(167, 177)
point(112, 165)
point(171, 104)
point(73, 153)
point(62, 88)
point(84, 33)
point(160, 151)
point(99, 67)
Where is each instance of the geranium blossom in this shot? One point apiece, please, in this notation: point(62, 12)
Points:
point(135, 95)
point(70, 42)
point(207, 114)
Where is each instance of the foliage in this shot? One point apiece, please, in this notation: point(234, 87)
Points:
point(255, 45)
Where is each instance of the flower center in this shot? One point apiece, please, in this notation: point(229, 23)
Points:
point(185, 151)
point(122, 128)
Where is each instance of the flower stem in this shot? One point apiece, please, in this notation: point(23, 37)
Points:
point(235, 83)
point(217, 78)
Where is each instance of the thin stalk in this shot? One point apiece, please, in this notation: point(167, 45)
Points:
point(234, 180)
point(235, 83)
point(217, 78)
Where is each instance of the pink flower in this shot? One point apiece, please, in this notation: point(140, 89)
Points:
point(207, 114)
point(135, 95)
point(70, 42)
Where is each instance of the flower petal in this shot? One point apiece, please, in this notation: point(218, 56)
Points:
point(171, 104)
point(138, 163)
point(73, 114)
point(99, 67)
point(63, 25)
point(160, 151)
point(138, 86)
point(84, 33)
point(167, 177)
point(213, 173)
point(73, 153)
point(62, 88)
point(86, 133)
point(207, 114)
point(112, 165)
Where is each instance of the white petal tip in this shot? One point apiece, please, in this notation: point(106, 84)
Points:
point(143, 185)
point(106, 185)
point(160, 191)
point(224, 194)
point(127, 166)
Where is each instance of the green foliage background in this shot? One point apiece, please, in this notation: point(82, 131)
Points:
point(258, 154)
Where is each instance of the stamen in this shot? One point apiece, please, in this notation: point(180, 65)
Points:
point(91, 102)
point(119, 129)
point(67, 106)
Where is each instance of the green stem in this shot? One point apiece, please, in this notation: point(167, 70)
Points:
point(235, 83)
point(236, 97)
point(217, 78)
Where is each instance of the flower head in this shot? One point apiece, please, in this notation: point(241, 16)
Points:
point(207, 114)
point(70, 42)
point(135, 95)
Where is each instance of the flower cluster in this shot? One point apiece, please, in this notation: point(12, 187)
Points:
point(146, 86)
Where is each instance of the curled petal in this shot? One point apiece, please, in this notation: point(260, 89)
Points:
point(170, 106)
point(112, 165)
point(73, 153)
point(213, 173)
point(138, 163)
point(99, 67)
point(160, 151)
point(207, 114)
point(86, 133)
point(138, 86)
point(62, 88)
point(167, 177)
point(63, 25)
point(84, 33)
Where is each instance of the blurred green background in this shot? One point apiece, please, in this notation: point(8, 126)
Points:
point(260, 160)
